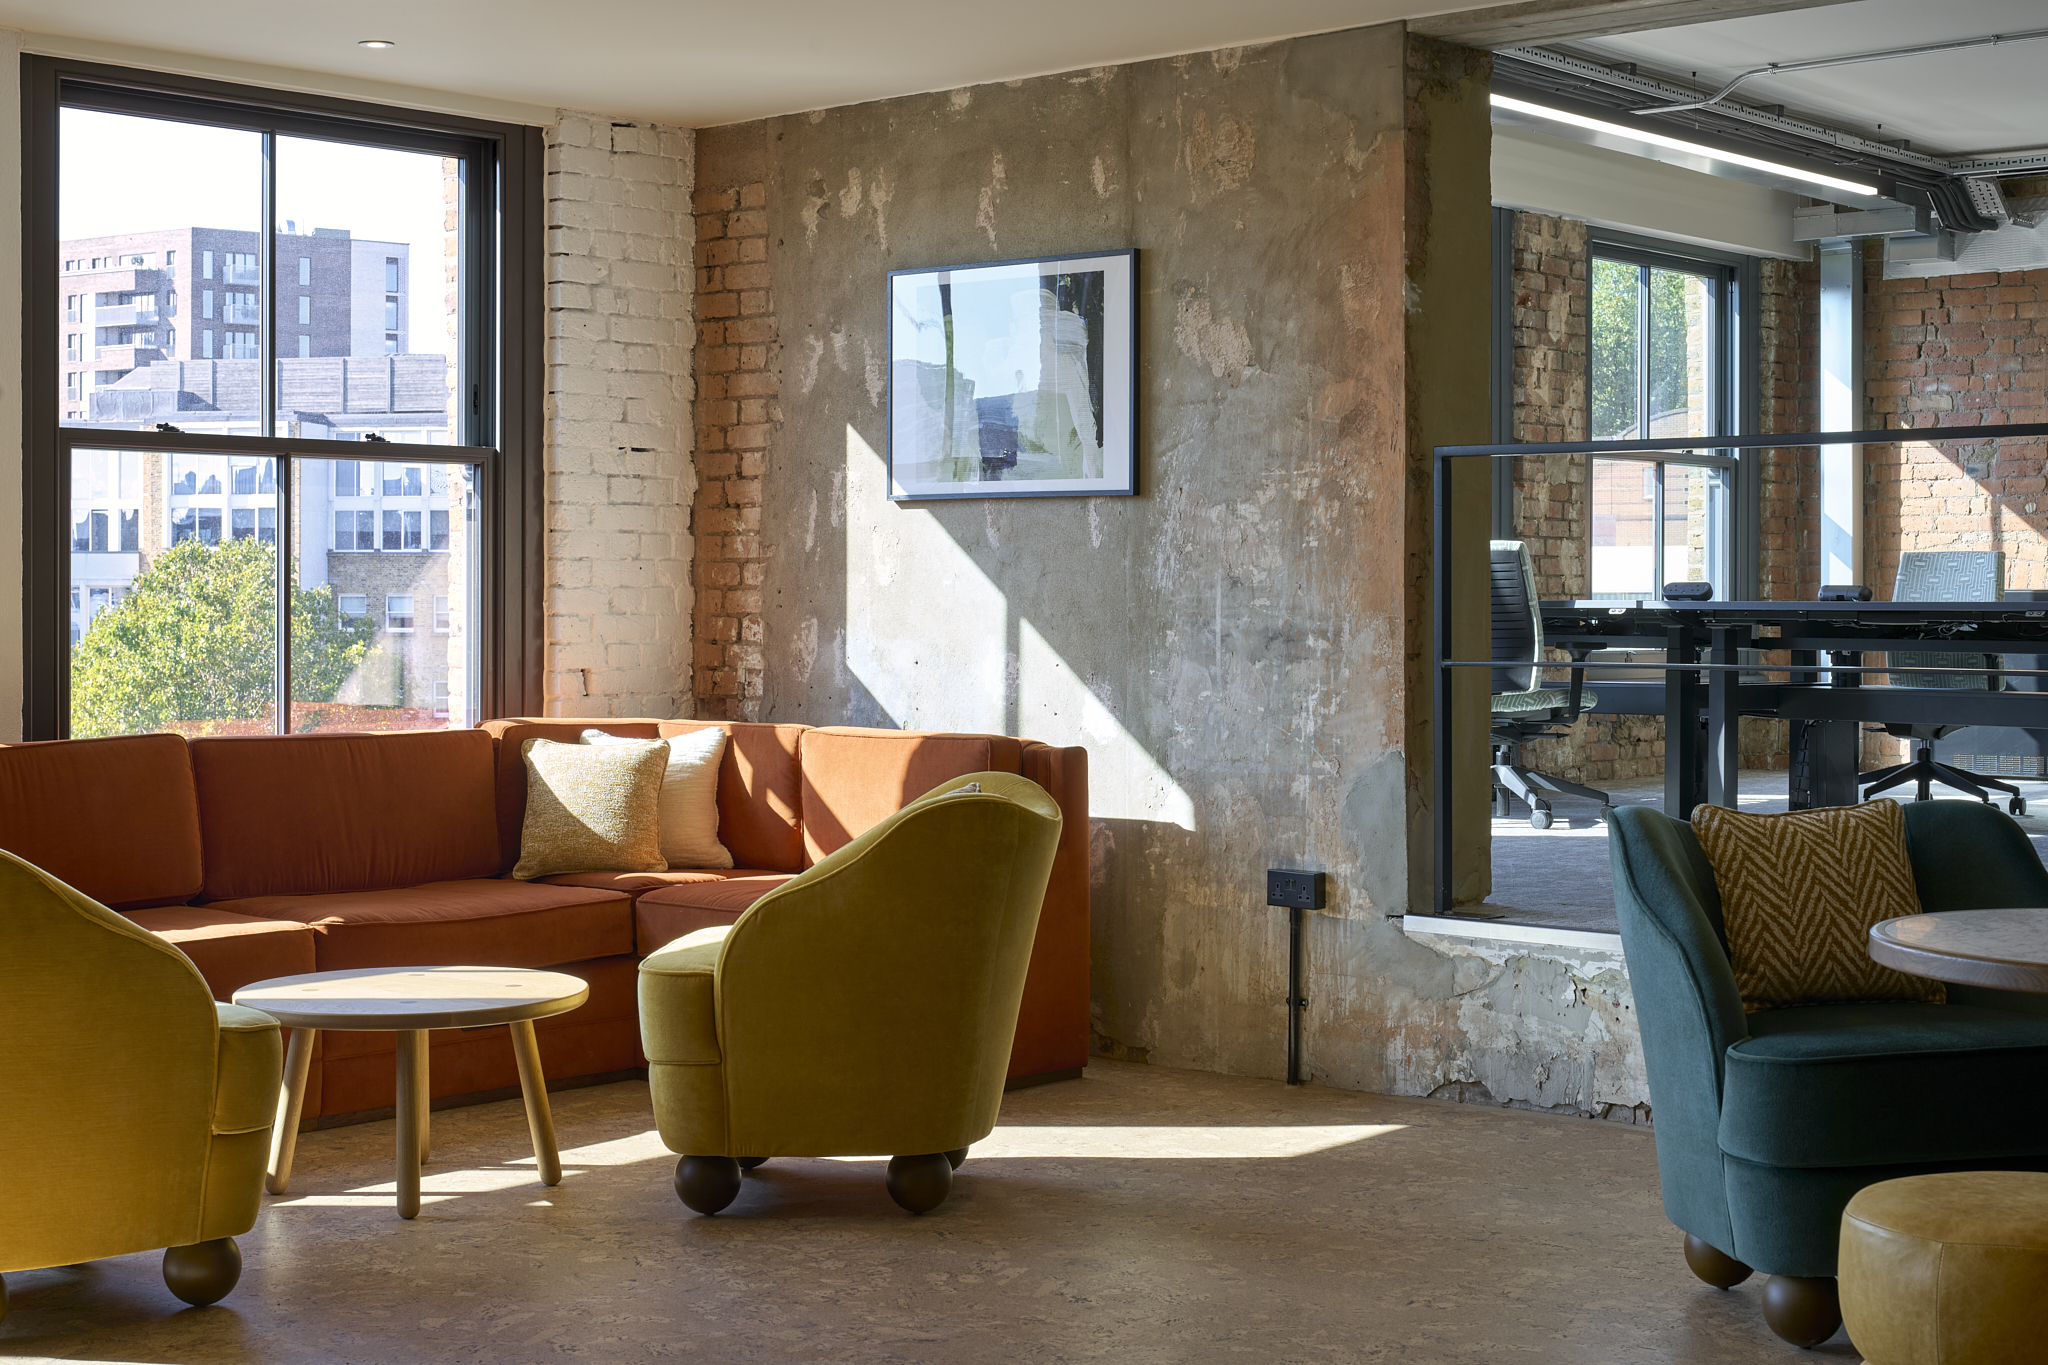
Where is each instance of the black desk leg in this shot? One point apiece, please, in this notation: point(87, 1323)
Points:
point(1682, 738)
point(1724, 718)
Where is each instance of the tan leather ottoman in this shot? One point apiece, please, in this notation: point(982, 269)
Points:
point(1948, 1269)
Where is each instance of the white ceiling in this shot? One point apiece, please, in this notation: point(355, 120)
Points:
point(1975, 100)
point(696, 62)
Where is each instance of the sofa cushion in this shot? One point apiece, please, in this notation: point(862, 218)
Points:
point(484, 923)
point(760, 791)
point(231, 950)
point(688, 809)
point(854, 779)
point(1880, 1084)
point(319, 814)
point(66, 804)
point(661, 917)
point(509, 738)
point(592, 807)
point(1800, 891)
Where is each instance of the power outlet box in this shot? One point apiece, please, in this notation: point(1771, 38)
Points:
point(1297, 890)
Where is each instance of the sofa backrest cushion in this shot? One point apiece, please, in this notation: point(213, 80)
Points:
point(853, 779)
point(114, 818)
point(510, 780)
point(760, 797)
point(317, 814)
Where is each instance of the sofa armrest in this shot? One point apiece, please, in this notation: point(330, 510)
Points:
point(249, 1072)
point(679, 1000)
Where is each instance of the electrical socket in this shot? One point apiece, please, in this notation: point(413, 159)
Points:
point(1297, 890)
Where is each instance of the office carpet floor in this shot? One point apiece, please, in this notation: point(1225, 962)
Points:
point(1139, 1215)
point(1558, 877)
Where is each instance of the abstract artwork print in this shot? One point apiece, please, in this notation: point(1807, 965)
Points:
point(1013, 379)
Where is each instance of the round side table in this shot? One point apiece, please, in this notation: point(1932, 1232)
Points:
point(2003, 949)
point(409, 1001)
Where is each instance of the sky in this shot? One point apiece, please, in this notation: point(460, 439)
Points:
point(120, 173)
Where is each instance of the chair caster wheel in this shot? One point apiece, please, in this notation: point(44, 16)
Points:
point(203, 1272)
point(1540, 817)
point(920, 1183)
point(2016, 806)
point(1713, 1265)
point(1804, 1310)
point(707, 1184)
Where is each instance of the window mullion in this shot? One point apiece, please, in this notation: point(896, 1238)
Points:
point(266, 351)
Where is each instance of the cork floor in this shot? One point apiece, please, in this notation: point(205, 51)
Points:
point(1137, 1215)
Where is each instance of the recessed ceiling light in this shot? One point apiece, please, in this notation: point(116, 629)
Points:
point(376, 42)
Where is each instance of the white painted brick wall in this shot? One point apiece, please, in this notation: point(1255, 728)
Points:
point(620, 473)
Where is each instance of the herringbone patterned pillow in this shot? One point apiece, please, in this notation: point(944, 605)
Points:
point(1799, 892)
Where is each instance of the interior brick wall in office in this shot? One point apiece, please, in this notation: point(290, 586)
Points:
point(1553, 496)
point(1952, 351)
point(738, 381)
point(619, 388)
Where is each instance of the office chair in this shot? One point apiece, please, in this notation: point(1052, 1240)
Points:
point(1523, 708)
point(1943, 576)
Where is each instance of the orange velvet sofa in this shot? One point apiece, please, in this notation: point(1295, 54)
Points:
point(273, 855)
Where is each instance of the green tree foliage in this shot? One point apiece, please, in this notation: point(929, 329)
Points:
point(194, 640)
point(1617, 350)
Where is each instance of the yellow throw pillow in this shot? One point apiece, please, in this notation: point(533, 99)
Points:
point(1799, 892)
point(592, 808)
point(688, 810)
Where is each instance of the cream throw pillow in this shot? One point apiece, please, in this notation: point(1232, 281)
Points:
point(1799, 892)
point(688, 813)
point(591, 808)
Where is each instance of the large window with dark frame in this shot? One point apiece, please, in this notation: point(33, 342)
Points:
point(1662, 361)
point(282, 367)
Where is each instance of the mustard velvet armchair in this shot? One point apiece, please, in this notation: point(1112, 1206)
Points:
point(864, 1008)
point(135, 1112)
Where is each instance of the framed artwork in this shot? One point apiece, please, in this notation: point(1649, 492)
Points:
point(1014, 379)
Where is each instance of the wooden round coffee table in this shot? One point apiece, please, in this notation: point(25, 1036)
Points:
point(2004, 949)
point(409, 1001)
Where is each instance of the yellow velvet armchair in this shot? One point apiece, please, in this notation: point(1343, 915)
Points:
point(865, 1008)
point(135, 1112)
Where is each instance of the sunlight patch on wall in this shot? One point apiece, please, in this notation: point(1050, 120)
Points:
point(931, 638)
point(1056, 706)
point(925, 627)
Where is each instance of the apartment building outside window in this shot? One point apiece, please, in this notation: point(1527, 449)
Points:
point(243, 438)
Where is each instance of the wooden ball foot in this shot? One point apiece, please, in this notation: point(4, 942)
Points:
point(956, 1156)
point(1802, 1309)
point(204, 1272)
point(748, 1163)
point(920, 1183)
point(707, 1183)
point(1713, 1265)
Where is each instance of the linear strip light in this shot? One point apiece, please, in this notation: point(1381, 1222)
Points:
point(1674, 144)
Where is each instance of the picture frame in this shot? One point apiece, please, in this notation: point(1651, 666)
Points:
point(1014, 379)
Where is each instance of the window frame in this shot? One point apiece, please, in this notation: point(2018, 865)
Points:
point(1733, 402)
point(502, 346)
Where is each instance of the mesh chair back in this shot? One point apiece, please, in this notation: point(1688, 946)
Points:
point(1517, 618)
point(1948, 576)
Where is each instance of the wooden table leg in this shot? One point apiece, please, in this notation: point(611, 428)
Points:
point(533, 1084)
point(412, 1084)
point(422, 1101)
point(291, 1101)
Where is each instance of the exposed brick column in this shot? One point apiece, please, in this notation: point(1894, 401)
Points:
point(1552, 496)
point(738, 382)
point(618, 428)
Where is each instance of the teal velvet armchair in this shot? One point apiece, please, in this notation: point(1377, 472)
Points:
point(1767, 1124)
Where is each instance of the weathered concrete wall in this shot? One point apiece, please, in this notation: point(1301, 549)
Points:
point(1241, 647)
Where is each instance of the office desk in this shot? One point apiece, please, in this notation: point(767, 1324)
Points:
point(1701, 763)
